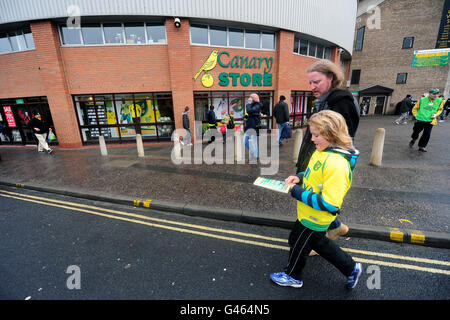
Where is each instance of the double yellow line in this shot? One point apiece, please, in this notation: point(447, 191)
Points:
point(224, 234)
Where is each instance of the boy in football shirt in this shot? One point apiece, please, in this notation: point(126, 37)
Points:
point(319, 197)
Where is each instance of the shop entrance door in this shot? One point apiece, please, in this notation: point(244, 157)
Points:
point(15, 115)
point(379, 105)
point(364, 106)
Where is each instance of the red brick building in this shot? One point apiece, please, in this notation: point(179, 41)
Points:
point(130, 69)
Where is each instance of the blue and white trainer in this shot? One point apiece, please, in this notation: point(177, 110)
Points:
point(352, 280)
point(282, 279)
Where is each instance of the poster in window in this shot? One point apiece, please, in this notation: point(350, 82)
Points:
point(9, 116)
point(146, 113)
point(237, 106)
point(222, 108)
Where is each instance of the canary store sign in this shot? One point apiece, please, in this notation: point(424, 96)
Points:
point(257, 70)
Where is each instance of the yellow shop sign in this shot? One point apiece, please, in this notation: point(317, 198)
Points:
point(262, 64)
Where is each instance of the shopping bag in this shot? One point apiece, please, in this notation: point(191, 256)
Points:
point(286, 132)
point(51, 136)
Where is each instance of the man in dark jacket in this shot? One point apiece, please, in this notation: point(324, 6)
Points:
point(212, 122)
point(404, 109)
point(40, 130)
point(187, 138)
point(324, 78)
point(281, 114)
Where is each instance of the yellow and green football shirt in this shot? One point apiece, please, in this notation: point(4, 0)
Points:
point(325, 184)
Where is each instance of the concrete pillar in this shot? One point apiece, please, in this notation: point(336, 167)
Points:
point(377, 148)
point(103, 150)
point(176, 151)
point(297, 144)
point(140, 145)
point(239, 151)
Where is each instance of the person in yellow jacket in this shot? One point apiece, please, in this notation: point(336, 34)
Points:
point(320, 193)
point(135, 111)
point(426, 111)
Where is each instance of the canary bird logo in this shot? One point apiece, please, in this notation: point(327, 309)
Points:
point(209, 64)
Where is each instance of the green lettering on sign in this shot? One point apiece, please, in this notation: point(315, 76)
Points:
point(267, 79)
point(246, 79)
point(257, 77)
point(234, 77)
point(219, 56)
point(224, 81)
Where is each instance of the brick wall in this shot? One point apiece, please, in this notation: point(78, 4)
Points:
point(179, 54)
point(19, 75)
point(115, 69)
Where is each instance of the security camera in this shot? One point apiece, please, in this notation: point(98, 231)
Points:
point(177, 23)
point(340, 50)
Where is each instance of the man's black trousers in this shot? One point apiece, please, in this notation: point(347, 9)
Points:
point(418, 127)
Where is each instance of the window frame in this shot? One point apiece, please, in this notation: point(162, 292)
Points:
point(86, 25)
point(303, 44)
point(7, 41)
point(234, 30)
point(412, 43)
point(361, 40)
point(122, 32)
point(212, 29)
point(20, 40)
point(401, 73)
point(244, 31)
point(138, 25)
point(300, 47)
point(229, 95)
point(352, 80)
point(300, 108)
point(98, 126)
point(146, 24)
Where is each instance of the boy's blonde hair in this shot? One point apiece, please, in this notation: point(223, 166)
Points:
point(332, 127)
point(330, 69)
